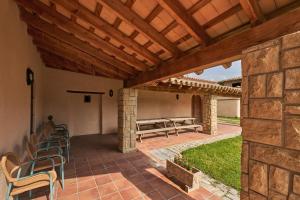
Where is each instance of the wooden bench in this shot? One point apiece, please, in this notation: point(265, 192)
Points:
point(184, 125)
point(140, 133)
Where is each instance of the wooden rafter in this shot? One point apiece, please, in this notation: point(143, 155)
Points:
point(53, 45)
point(142, 26)
point(60, 20)
point(252, 10)
point(235, 9)
point(55, 32)
point(153, 13)
point(82, 12)
point(226, 50)
point(200, 4)
point(179, 13)
point(63, 62)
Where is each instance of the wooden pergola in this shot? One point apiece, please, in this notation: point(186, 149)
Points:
point(141, 41)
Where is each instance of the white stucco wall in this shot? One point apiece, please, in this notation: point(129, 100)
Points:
point(152, 104)
point(228, 107)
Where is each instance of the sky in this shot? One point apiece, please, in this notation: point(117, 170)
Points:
point(219, 73)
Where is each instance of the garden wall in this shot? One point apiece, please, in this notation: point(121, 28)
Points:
point(271, 120)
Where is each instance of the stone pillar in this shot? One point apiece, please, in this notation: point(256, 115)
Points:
point(210, 122)
point(127, 111)
point(271, 120)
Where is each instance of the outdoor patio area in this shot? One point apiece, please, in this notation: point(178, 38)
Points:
point(97, 170)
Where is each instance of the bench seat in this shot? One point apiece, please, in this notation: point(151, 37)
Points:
point(141, 133)
point(188, 126)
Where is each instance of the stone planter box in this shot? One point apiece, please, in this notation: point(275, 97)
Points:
point(188, 180)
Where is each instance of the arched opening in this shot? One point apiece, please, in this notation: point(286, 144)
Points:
point(197, 108)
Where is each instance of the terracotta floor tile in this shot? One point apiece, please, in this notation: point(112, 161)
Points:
point(69, 190)
point(86, 185)
point(168, 191)
point(70, 197)
point(123, 184)
point(91, 194)
point(104, 179)
point(130, 193)
point(107, 189)
point(145, 187)
point(113, 196)
point(116, 176)
point(154, 196)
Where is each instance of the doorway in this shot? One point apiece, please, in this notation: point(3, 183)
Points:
point(85, 112)
point(197, 108)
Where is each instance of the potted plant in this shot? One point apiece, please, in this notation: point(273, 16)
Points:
point(184, 173)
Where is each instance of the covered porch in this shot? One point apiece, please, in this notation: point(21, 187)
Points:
point(87, 62)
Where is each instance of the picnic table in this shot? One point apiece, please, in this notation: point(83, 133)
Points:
point(164, 128)
point(183, 123)
point(166, 125)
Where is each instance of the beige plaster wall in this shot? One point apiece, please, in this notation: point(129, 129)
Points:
point(228, 107)
point(152, 104)
point(60, 104)
point(17, 52)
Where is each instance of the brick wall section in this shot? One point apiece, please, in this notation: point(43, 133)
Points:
point(210, 122)
point(127, 115)
point(271, 120)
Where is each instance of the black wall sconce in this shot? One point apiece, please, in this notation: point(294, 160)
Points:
point(177, 96)
point(111, 93)
point(29, 76)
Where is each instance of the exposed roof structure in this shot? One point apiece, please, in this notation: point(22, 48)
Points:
point(141, 41)
point(187, 85)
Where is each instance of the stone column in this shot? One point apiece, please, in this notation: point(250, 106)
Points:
point(271, 120)
point(3, 184)
point(210, 122)
point(127, 111)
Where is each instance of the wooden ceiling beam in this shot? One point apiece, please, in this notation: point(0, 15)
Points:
point(50, 58)
point(228, 49)
point(168, 28)
point(53, 45)
point(179, 13)
point(153, 13)
point(252, 10)
point(51, 30)
point(142, 26)
point(60, 20)
point(234, 10)
point(197, 6)
point(82, 12)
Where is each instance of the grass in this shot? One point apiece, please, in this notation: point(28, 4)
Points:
point(220, 160)
point(230, 120)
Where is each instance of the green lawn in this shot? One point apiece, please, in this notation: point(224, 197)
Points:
point(230, 120)
point(220, 160)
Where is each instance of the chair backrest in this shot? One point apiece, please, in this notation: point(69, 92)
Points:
point(30, 148)
point(9, 164)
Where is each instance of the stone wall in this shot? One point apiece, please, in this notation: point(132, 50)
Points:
point(127, 115)
point(271, 120)
point(210, 122)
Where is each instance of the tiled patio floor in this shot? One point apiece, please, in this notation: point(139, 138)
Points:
point(98, 171)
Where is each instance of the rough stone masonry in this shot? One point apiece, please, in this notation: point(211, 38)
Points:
point(271, 120)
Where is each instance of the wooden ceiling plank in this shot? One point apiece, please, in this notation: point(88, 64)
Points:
point(45, 27)
point(153, 13)
point(179, 13)
point(252, 10)
point(60, 20)
point(142, 26)
point(200, 4)
point(228, 49)
point(82, 12)
point(168, 28)
point(235, 9)
point(57, 47)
